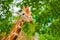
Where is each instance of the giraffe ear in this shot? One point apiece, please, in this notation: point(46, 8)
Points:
point(27, 9)
point(23, 8)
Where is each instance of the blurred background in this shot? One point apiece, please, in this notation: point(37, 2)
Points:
point(45, 13)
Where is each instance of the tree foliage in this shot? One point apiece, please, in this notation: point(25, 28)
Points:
point(46, 18)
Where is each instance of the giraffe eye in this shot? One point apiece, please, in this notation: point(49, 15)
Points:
point(23, 13)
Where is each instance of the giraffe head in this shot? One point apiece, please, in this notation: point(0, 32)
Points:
point(26, 14)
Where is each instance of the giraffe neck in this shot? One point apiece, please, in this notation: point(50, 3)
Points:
point(15, 31)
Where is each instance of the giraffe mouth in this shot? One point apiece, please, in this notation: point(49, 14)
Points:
point(30, 21)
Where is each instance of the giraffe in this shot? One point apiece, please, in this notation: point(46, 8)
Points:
point(25, 16)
